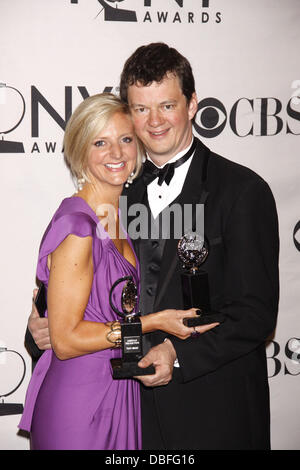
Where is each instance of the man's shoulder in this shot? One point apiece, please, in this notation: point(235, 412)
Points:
point(231, 174)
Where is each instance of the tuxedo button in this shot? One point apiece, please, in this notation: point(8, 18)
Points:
point(154, 267)
point(149, 290)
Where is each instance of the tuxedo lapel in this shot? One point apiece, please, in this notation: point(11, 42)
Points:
point(193, 192)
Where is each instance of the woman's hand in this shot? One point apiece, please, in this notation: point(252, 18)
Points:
point(171, 321)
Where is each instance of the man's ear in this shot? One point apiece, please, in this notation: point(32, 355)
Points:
point(193, 106)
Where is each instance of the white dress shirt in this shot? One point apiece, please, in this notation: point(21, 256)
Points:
point(160, 197)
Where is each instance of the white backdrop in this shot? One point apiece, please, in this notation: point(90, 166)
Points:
point(245, 56)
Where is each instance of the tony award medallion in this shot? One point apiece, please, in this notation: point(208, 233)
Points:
point(131, 333)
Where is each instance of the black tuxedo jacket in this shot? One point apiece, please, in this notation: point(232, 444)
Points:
point(219, 397)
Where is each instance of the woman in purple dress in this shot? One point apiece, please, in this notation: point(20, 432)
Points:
point(72, 401)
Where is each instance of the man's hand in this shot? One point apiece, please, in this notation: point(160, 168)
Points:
point(38, 327)
point(162, 357)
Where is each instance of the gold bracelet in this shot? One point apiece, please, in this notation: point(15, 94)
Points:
point(114, 335)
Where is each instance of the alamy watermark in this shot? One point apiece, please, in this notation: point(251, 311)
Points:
point(137, 221)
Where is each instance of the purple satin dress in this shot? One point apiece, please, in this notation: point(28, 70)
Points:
point(75, 403)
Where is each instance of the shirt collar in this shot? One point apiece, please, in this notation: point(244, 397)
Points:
point(175, 158)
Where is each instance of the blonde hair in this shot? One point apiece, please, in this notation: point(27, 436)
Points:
point(88, 119)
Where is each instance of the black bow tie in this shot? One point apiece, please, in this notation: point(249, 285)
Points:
point(150, 171)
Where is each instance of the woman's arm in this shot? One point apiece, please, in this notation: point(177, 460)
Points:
point(170, 321)
point(70, 283)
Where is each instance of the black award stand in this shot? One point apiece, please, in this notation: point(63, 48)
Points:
point(131, 332)
point(195, 290)
point(193, 251)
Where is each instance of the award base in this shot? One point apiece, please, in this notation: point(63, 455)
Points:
point(127, 370)
point(8, 146)
point(11, 409)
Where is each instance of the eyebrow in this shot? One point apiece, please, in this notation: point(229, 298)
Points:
point(161, 103)
point(168, 101)
point(136, 104)
point(102, 137)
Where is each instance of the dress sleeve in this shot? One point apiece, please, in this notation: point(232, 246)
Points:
point(62, 225)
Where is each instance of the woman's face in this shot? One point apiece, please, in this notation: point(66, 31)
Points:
point(113, 153)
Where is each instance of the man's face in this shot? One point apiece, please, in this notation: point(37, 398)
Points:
point(162, 117)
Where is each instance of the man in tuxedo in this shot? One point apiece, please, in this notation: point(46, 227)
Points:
point(210, 391)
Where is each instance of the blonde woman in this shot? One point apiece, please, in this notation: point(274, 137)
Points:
point(72, 401)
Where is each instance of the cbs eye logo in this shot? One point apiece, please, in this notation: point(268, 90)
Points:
point(211, 118)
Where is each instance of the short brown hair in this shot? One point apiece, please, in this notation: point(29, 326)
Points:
point(152, 63)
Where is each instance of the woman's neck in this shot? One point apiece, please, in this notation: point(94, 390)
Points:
point(99, 197)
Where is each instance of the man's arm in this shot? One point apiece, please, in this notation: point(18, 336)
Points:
point(250, 289)
point(163, 357)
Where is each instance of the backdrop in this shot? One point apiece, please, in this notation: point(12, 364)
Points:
point(245, 57)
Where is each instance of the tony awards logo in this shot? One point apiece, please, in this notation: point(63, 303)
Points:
point(116, 14)
point(12, 110)
point(160, 11)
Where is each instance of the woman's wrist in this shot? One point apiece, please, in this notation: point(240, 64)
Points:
point(114, 335)
point(151, 322)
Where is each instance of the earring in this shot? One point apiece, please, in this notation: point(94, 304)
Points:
point(129, 180)
point(80, 183)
